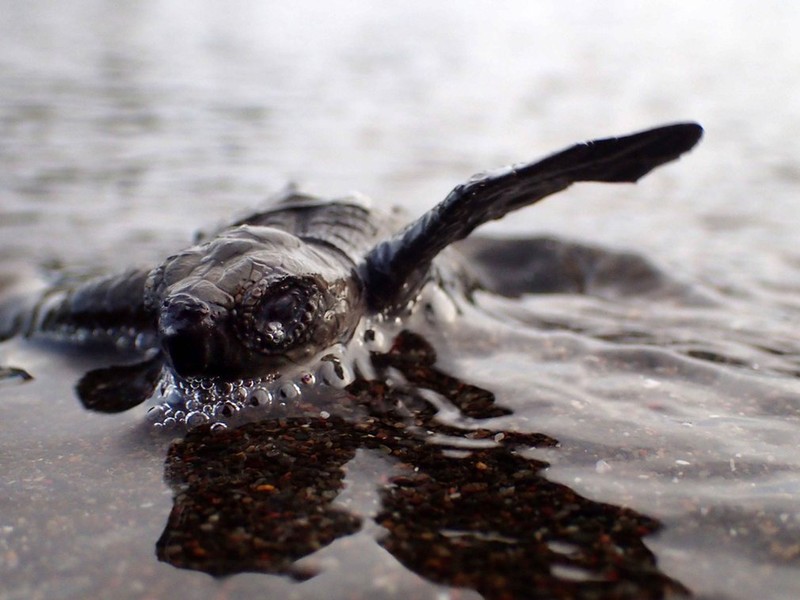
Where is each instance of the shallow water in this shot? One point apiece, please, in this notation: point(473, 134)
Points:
point(125, 129)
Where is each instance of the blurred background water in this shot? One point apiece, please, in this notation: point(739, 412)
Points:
point(125, 127)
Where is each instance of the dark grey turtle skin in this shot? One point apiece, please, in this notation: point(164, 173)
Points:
point(274, 290)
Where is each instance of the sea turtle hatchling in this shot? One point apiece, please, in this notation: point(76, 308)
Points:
point(281, 297)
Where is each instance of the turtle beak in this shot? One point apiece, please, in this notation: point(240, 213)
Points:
point(187, 332)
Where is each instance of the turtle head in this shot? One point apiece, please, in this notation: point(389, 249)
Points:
point(245, 307)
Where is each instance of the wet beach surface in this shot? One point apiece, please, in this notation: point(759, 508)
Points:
point(632, 432)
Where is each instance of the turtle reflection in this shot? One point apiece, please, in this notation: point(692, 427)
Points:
point(262, 496)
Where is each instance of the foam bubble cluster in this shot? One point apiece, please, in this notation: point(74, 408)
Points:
point(192, 401)
point(196, 401)
point(124, 339)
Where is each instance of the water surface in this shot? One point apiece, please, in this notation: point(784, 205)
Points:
point(674, 410)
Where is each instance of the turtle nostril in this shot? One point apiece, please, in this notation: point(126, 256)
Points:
point(181, 311)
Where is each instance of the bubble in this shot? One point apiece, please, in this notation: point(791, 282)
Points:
point(327, 374)
point(201, 397)
point(155, 414)
point(336, 374)
point(193, 419)
point(223, 387)
point(240, 394)
point(173, 396)
point(260, 397)
point(289, 390)
point(374, 339)
point(602, 467)
point(142, 342)
point(229, 408)
point(218, 427)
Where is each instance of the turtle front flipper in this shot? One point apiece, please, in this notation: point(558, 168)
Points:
point(120, 387)
point(395, 269)
point(101, 309)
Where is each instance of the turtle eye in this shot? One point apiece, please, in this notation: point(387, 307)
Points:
point(276, 316)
